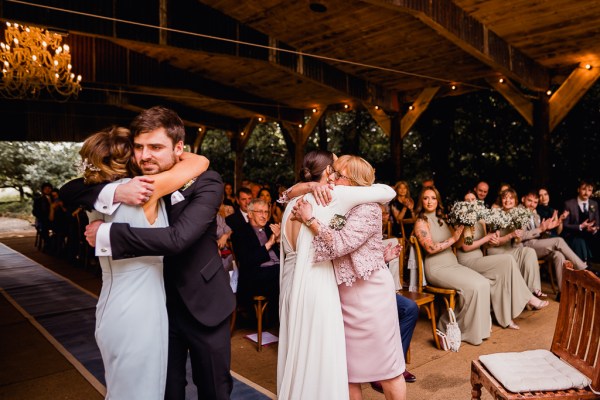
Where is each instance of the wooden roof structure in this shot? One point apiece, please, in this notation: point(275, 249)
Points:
point(231, 64)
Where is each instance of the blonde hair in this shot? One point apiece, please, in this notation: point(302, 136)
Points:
point(108, 155)
point(360, 172)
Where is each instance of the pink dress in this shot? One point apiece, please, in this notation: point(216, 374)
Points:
point(367, 294)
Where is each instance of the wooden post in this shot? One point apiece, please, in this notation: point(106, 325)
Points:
point(396, 141)
point(239, 140)
point(541, 140)
point(199, 139)
point(323, 133)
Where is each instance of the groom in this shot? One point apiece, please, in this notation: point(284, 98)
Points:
point(199, 298)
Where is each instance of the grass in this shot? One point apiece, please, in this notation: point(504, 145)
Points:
point(16, 209)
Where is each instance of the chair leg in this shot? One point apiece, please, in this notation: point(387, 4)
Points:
point(259, 308)
point(551, 275)
point(433, 325)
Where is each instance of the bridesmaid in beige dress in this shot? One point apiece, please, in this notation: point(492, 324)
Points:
point(509, 243)
point(509, 293)
point(442, 269)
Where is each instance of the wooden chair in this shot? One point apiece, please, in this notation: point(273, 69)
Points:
point(576, 341)
point(426, 300)
point(260, 305)
point(448, 295)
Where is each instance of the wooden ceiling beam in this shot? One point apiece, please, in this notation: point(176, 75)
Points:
point(513, 95)
point(457, 26)
point(418, 108)
point(571, 90)
point(381, 117)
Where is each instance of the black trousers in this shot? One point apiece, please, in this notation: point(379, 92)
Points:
point(210, 354)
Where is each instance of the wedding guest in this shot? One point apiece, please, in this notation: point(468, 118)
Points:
point(510, 242)
point(545, 211)
point(401, 207)
point(41, 212)
point(240, 215)
point(367, 290)
point(498, 202)
point(275, 212)
point(582, 223)
point(481, 190)
point(553, 249)
point(443, 269)
point(229, 197)
point(509, 292)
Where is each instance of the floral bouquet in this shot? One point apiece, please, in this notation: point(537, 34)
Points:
point(337, 222)
point(466, 213)
point(520, 217)
point(496, 219)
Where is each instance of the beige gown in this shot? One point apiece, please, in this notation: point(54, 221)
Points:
point(473, 304)
point(526, 260)
point(509, 293)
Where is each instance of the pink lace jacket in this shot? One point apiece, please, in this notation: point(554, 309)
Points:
point(356, 249)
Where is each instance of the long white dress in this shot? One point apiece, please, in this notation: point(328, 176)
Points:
point(131, 317)
point(312, 350)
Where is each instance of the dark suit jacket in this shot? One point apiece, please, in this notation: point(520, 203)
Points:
point(193, 265)
point(571, 224)
point(250, 254)
point(235, 220)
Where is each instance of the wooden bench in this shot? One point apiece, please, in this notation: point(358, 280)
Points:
point(576, 341)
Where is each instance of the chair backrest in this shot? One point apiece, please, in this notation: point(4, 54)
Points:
point(419, 256)
point(577, 333)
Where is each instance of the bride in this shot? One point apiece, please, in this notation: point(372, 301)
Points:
point(312, 350)
point(131, 314)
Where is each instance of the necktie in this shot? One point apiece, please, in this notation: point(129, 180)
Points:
point(585, 208)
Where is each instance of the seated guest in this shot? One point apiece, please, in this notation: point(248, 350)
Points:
point(229, 197)
point(510, 242)
point(545, 211)
point(59, 222)
point(481, 190)
point(498, 202)
point(256, 247)
point(276, 213)
point(509, 292)
point(581, 225)
point(223, 234)
point(41, 212)
point(443, 270)
point(401, 207)
point(386, 223)
point(554, 249)
point(240, 215)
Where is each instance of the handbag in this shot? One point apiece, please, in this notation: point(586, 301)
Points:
point(453, 335)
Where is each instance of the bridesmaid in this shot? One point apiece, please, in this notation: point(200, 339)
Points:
point(509, 293)
point(525, 256)
point(442, 269)
point(401, 207)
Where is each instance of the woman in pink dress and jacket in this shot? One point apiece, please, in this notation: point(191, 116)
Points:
point(367, 291)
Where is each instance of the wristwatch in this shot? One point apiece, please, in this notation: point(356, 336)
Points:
point(310, 221)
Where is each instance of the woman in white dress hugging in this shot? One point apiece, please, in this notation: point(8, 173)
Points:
point(131, 315)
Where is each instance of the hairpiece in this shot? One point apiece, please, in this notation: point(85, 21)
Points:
point(85, 165)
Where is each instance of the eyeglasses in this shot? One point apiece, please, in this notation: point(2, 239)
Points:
point(265, 212)
point(337, 175)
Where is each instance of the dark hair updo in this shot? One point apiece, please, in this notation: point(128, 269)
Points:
point(313, 165)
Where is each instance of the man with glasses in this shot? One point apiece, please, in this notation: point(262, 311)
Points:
point(256, 247)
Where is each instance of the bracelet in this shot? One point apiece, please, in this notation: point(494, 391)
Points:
point(310, 221)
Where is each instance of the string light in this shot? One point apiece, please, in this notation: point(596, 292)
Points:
point(501, 80)
point(411, 108)
point(299, 125)
point(549, 92)
point(377, 107)
point(346, 106)
point(588, 66)
point(260, 119)
point(314, 110)
point(453, 87)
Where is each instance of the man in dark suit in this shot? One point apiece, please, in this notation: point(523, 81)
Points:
point(240, 215)
point(41, 212)
point(256, 248)
point(199, 298)
point(581, 225)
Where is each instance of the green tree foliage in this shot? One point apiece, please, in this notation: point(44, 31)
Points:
point(29, 164)
point(217, 149)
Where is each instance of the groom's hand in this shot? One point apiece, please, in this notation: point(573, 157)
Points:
point(136, 192)
point(91, 230)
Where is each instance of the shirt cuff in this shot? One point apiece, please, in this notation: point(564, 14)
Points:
point(103, 247)
point(104, 202)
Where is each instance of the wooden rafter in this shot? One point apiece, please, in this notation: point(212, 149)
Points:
point(199, 139)
point(381, 117)
point(300, 134)
point(513, 95)
point(569, 93)
point(473, 37)
point(418, 108)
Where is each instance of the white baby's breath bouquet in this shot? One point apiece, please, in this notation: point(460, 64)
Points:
point(496, 219)
point(520, 217)
point(466, 213)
